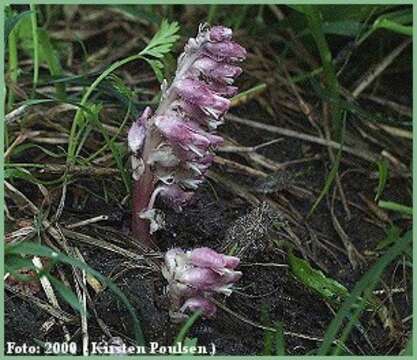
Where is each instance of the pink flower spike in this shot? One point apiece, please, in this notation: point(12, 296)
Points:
point(171, 149)
point(199, 303)
point(220, 33)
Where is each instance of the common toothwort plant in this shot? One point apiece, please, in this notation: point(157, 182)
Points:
point(194, 276)
point(171, 147)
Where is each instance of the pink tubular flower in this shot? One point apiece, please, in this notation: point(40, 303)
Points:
point(173, 146)
point(221, 72)
point(227, 51)
point(197, 93)
point(196, 275)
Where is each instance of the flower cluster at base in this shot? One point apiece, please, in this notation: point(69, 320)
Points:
point(173, 145)
point(194, 276)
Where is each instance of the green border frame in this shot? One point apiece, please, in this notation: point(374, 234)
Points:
point(196, 2)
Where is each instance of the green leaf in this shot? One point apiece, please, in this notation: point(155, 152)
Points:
point(299, 8)
point(187, 326)
point(365, 286)
point(15, 263)
point(333, 172)
point(393, 234)
point(315, 280)
point(117, 155)
point(343, 27)
point(135, 12)
point(157, 67)
point(390, 205)
point(17, 173)
point(52, 59)
point(394, 27)
point(402, 17)
point(314, 20)
point(23, 148)
point(279, 339)
point(268, 334)
point(163, 40)
point(66, 293)
point(11, 22)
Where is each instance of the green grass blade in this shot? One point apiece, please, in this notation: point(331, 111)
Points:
point(80, 112)
point(13, 68)
point(159, 45)
point(52, 59)
point(66, 293)
point(368, 282)
point(34, 22)
point(395, 27)
point(390, 205)
point(316, 27)
point(268, 334)
point(315, 280)
point(115, 151)
point(332, 174)
point(187, 326)
point(11, 22)
point(279, 339)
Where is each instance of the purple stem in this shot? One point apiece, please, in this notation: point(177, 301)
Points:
point(142, 191)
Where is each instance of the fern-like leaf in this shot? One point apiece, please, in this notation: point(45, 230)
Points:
point(163, 40)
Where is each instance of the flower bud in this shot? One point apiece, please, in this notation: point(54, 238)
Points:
point(220, 33)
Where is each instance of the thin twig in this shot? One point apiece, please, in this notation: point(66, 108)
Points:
point(88, 221)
